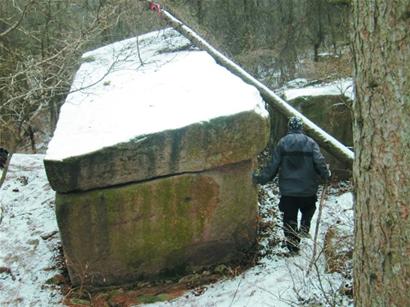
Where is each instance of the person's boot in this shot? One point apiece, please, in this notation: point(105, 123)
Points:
point(293, 248)
point(304, 233)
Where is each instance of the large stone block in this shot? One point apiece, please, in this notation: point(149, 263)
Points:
point(197, 147)
point(148, 107)
point(154, 228)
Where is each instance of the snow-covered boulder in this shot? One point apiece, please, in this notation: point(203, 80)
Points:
point(152, 107)
point(152, 162)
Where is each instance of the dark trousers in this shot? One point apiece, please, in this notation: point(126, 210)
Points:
point(289, 206)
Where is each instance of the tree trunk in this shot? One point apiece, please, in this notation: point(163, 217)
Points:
point(30, 133)
point(382, 152)
point(6, 167)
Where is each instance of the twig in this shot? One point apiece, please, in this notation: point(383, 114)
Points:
point(313, 260)
point(236, 291)
point(139, 52)
point(1, 213)
point(18, 22)
point(319, 278)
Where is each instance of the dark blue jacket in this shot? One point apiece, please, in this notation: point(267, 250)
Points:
point(299, 161)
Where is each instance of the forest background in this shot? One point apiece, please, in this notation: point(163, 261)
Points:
point(41, 42)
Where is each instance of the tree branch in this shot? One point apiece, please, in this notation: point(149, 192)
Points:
point(18, 22)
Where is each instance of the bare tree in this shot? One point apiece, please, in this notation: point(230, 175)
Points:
point(316, 33)
point(381, 48)
point(41, 42)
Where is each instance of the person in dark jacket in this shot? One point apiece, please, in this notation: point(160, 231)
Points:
point(299, 161)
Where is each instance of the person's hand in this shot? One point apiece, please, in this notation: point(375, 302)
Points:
point(329, 172)
point(255, 178)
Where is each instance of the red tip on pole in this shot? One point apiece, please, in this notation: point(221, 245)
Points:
point(156, 7)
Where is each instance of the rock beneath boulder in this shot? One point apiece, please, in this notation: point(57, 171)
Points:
point(159, 227)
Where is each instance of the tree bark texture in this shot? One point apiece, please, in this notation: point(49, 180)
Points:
point(382, 152)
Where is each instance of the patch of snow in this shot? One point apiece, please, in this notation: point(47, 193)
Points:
point(327, 54)
point(115, 97)
point(340, 87)
point(296, 83)
point(27, 205)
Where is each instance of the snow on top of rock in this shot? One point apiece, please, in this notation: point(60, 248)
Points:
point(144, 85)
point(340, 87)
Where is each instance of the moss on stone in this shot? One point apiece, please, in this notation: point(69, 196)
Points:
point(157, 227)
point(149, 299)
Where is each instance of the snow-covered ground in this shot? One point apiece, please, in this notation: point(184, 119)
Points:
point(28, 237)
point(29, 251)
